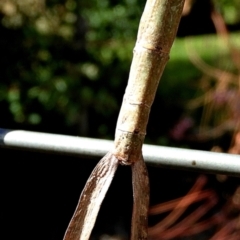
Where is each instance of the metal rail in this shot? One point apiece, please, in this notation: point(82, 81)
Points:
point(167, 157)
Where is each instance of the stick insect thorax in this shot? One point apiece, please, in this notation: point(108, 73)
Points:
point(150, 56)
point(136, 106)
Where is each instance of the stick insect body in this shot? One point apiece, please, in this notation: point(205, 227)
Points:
point(156, 34)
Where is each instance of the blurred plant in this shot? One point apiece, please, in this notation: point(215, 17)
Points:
point(219, 107)
point(69, 60)
point(219, 98)
point(235, 146)
point(66, 59)
point(186, 220)
point(229, 10)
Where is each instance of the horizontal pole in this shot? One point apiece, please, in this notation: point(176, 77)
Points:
point(167, 157)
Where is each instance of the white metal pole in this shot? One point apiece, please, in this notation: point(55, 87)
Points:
point(167, 157)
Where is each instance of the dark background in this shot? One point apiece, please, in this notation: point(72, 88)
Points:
point(39, 192)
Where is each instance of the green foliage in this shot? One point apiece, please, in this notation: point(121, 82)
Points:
point(229, 9)
point(69, 58)
point(65, 64)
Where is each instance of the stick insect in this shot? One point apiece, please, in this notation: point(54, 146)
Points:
point(156, 33)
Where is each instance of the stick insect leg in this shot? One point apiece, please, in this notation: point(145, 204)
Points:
point(83, 220)
point(140, 182)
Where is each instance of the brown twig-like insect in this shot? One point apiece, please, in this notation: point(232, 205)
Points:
point(156, 34)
